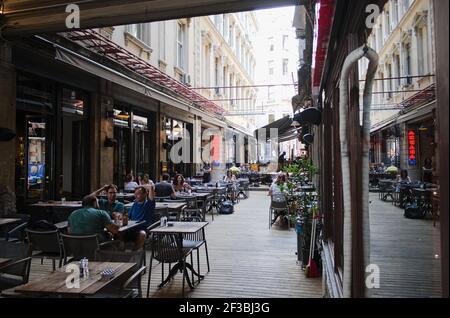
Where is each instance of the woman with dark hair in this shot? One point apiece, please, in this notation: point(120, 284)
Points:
point(145, 180)
point(403, 177)
point(179, 184)
point(229, 177)
point(427, 171)
point(130, 184)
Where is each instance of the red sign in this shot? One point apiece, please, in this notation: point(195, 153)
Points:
point(412, 142)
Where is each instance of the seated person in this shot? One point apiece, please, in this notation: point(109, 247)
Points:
point(403, 177)
point(179, 184)
point(145, 180)
point(143, 209)
point(110, 204)
point(229, 177)
point(130, 184)
point(90, 220)
point(165, 188)
point(381, 168)
point(275, 187)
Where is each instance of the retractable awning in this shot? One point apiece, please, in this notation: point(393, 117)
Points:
point(283, 127)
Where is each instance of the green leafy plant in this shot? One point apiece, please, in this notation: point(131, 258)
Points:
point(301, 170)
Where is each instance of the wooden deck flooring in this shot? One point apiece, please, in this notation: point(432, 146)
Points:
point(406, 251)
point(247, 259)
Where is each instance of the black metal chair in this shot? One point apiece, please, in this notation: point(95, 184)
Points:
point(17, 271)
point(192, 212)
point(386, 190)
point(80, 246)
point(166, 250)
point(129, 286)
point(194, 241)
point(15, 232)
point(172, 216)
point(46, 245)
point(278, 207)
point(243, 189)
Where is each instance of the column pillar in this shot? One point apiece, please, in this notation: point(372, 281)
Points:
point(106, 130)
point(414, 52)
point(7, 120)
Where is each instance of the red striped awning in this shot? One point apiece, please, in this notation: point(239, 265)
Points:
point(324, 21)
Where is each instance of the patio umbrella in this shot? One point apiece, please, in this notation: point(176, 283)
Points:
point(235, 169)
point(392, 169)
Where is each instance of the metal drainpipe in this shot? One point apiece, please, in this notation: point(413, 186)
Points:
point(352, 58)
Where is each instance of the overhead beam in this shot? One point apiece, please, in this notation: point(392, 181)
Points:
point(28, 17)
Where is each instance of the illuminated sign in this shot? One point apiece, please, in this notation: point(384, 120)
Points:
point(412, 154)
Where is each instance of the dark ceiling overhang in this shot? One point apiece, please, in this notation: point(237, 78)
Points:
point(283, 127)
point(29, 17)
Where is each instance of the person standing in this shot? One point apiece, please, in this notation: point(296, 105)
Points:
point(427, 171)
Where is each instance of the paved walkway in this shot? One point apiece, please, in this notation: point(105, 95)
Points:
point(406, 251)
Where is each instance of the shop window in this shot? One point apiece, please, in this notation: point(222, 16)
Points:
point(34, 94)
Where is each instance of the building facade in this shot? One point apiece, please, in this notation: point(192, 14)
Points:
point(277, 74)
point(404, 103)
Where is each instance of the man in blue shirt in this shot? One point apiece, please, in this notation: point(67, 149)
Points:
point(143, 209)
point(110, 204)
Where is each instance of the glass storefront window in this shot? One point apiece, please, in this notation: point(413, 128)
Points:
point(34, 94)
point(74, 177)
point(36, 159)
point(140, 122)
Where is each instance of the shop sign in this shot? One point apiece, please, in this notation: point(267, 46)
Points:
point(412, 153)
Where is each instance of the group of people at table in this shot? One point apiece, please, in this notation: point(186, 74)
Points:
point(97, 214)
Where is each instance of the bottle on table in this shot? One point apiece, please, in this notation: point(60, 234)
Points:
point(125, 218)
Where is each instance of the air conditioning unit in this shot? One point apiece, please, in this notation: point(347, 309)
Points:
point(186, 79)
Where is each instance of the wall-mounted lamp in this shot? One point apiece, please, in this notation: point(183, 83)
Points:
point(6, 134)
point(423, 128)
point(123, 115)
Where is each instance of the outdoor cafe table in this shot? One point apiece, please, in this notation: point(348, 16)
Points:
point(58, 204)
point(209, 189)
point(179, 229)
point(120, 196)
point(131, 225)
point(54, 284)
point(172, 206)
point(5, 221)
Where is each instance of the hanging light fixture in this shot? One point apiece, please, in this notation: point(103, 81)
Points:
point(423, 128)
point(123, 115)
